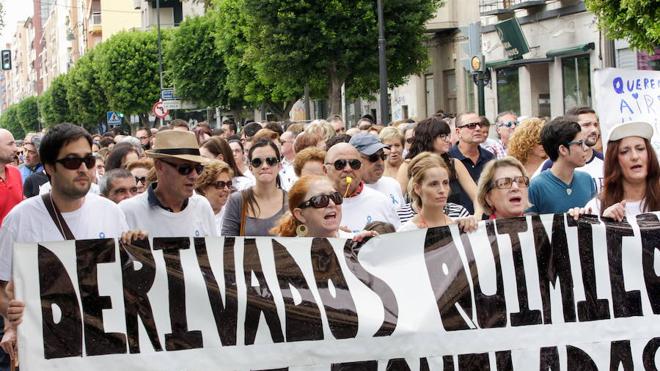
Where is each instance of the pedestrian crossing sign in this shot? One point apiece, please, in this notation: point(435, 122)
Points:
point(113, 118)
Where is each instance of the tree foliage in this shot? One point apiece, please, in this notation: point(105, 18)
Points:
point(27, 112)
point(53, 103)
point(638, 21)
point(9, 121)
point(87, 101)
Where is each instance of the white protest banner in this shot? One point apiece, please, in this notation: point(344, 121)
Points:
point(627, 95)
point(530, 293)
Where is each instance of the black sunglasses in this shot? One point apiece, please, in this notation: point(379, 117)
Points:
point(185, 169)
point(220, 184)
point(380, 155)
point(73, 163)
point(321, 201)
point(141, 179)
point(341, 164)
point(270, 161)
point(470, 126)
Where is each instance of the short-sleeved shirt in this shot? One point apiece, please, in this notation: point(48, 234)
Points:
point(11, 191)
point(550, 195)
point(594, 167)
point(231, 223)
point(473, 168)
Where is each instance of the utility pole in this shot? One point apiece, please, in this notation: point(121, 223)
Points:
point(384, 110)
point(160, 51)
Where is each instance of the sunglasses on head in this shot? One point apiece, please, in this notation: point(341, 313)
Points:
point(220, 184)
point(141, 179)
point(185, 169)
point(471, 126)
point(355, 164)
point(270, 161)
point(322, 200)
point(74, 162)
point(380, 155)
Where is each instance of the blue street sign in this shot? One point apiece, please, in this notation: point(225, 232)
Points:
point(168, 94)
point(113, 118)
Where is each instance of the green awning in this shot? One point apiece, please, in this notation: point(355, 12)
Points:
point(570, 51)
point(497, 63)
point(501, 63)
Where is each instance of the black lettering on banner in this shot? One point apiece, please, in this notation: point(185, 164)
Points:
point(273, 369)
point(63, 338)
point(90, 253)
point(180, 338)
point(503, 360)
point(578, 360)
point(424, 364)
point(649, 354)
point(379, 287)
point(620, 355)
point(491, 309)
point(592, 308)
point(625, 303)
point(447, 363)
point(549, 358)
point(474, 362)
point(554, 264)
point(397, 364)
point(302, 321)
point(137, 284)
point(513, 227)
point(225, 313)
point(649, 227)
point(340, 308)
point(355, 366)
point(452, 288)
point(259, 299)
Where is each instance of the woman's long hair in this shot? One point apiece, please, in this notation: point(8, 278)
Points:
point(286, 227)
point(219, 146)
point(613, 186)
point(248, 194)
point(425, 133)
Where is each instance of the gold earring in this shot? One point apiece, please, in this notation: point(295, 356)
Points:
point(301, 230)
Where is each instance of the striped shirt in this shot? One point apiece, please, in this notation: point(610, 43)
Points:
point(452, 210)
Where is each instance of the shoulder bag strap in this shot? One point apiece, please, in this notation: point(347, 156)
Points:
point(243, 214)
point(57, 217)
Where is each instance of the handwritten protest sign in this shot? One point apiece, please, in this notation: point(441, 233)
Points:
point(535, 293)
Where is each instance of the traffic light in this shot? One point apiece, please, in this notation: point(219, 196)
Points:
point(6, 59)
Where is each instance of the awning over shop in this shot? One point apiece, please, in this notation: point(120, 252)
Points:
point(570, 51)
point(502, 63)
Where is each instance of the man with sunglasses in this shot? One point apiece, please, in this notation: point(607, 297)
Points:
point(169, 207)
point(505, 124)
point(372, 153)
point(562, 187)
point(469, 150)
point(362, 205)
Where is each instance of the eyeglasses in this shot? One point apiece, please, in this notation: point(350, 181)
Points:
point(380, 155)
point(74, 162)
point(444, 137)
point(581, 142)
point(270, 161)
point(141, 179)
point(185, 169)
point(341, 164)
point(471, 126)
point(321, 201)
point(508, 124)
point(507, 182)
point(220, 184)
point(410, 140)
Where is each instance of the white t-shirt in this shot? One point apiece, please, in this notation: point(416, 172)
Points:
point(196, 220)
point(243, 182)
point(45, 188)
point(390, 188)
point(287, 175)
point(408, 226)
point(30, 222)
point(369, 206)
point(633, 208)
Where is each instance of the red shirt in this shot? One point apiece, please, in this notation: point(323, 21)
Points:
point(11, 191)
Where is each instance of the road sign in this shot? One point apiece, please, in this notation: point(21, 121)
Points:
point(113, 118)
point(172, 104)
point(159, 111)
point(168, 94)
point(512, 37)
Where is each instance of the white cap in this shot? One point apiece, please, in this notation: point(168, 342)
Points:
point(631, 129)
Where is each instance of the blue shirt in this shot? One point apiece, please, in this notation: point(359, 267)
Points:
point(26, 171)
point(472, 168)
point(550, 195)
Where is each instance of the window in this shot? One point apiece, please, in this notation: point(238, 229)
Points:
point(576, 81)
point(508, 90)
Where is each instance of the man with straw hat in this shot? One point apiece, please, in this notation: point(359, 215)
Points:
point(169, 207)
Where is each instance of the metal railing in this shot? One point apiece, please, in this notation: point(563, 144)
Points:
point(486, 6)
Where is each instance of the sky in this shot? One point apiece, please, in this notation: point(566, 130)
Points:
point(15, 10)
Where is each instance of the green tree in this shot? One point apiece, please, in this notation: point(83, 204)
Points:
point(128, 72)
point(87, 101)
point(53, 104)
point(328, 43)
point(9, 121)
point(638, 21)
point(27, 112)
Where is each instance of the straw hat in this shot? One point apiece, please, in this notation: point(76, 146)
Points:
point(176, 144)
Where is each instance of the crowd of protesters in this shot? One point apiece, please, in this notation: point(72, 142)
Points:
point(316, 179)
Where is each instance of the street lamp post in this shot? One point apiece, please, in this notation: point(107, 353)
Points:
point(160, 52)
point(384, 110)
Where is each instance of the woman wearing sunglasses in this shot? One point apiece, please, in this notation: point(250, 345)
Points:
point(254, 211)
point(433, 135)
point(143, 173)
point(217, 148)
point(503, 188)
point(215, 184)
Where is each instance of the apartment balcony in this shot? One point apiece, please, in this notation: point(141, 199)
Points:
point(444, 18)
point(504, 8)
point(95, 23)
